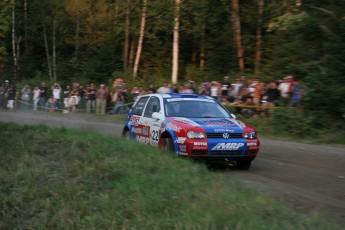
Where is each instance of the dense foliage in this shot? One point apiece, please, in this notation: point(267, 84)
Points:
point(76, 40)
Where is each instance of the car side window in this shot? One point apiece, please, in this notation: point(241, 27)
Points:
point(152, 106)
point(139, 107)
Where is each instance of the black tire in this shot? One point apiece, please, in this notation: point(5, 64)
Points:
point(168, 145)
point(243, 165)
point(126, 135)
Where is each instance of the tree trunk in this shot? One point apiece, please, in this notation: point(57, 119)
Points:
point(174, 75)
point(258, 53)
point(141, 39)
point(47, 53)
point(14, 43)
point(77, 32)
point(202, 49)
point(126, 42)
point(131, 55)
point(54, 51)
point(26, 23)
point(237, 33)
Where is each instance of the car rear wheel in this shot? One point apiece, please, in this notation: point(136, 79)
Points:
point(168, 145)
point(243, 165)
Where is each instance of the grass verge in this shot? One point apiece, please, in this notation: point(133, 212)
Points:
point(56, 178)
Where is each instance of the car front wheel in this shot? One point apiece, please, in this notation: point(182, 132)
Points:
point(168, 145)
point(126, 135)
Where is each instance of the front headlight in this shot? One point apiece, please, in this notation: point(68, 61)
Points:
point(196, 135)
point(251, 135)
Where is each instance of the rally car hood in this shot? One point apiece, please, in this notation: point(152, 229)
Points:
point(209, 125)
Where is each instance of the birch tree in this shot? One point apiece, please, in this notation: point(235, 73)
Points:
point(141, 39)
point(174, 75)
point(15, 42)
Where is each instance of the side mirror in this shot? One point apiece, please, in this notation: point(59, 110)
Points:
point(157, 116)
point(233, 115)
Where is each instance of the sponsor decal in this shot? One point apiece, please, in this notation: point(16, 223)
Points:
point(136, 130)
point(213, 123)
point(180, 140)
point(187, 121)
point(224, 130)
point(252, 148)
point(200, 144)
point(173, 127)
point(145, 131)
point(240, 123)
point(183, 148)
point(142, 139)
point(134, 120)
point(183, 154)
point(252, 144)
point(199, 147)
point(228, 146)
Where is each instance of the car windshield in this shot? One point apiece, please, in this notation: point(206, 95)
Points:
point(194, 108)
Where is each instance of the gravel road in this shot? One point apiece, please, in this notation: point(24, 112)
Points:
point(310, 177)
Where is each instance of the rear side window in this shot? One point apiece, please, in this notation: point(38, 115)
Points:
point(139, 107)
point(153, 106)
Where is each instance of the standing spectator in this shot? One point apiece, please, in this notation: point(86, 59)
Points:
point(43, 95)
point(225, 88)
point(151, 89)
point(285, 89)
point(56, 90)
point(187, 88)
point(174, 88)
point(25, 96)
point(272, 94)
point(204, 89)
point(180, 89)
point(141, 91)
point(36, 97)
point(2, 95)
point(120, 101)
point(73, 100)
point(135, 92)
point(101, 99)
point(164, 88)
point(257, 92)
point(214, 90)
point(91, 98)
point(11, 92)
point(296, 94)
point(66, 94)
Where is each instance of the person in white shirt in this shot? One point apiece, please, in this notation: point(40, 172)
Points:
point(36, 97)
point(56, 90)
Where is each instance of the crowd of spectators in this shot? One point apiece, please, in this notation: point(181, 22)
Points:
point(248, 97)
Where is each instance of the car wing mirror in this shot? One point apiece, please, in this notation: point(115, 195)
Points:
point(233, 115)
point(157, 116)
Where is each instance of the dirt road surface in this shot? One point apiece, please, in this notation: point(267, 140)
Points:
point(310, 177)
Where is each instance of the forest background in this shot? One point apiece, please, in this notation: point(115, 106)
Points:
point(152, 41)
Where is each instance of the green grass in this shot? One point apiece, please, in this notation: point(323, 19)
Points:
point(56, 178)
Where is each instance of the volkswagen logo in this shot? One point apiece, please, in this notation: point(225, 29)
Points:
point(226, 135)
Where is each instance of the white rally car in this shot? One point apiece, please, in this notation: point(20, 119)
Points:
point(192, 125)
